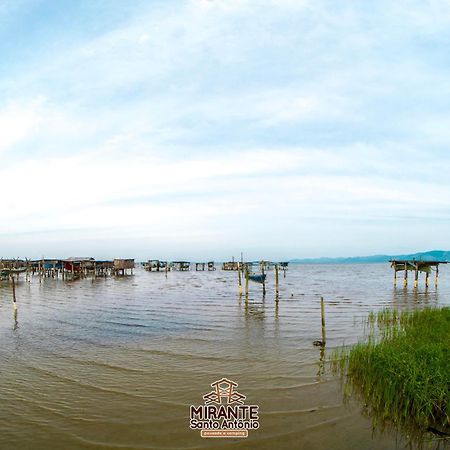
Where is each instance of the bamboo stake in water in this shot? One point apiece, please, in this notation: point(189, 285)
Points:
point(246, 281)
point(322, 311)
point(240, 281)
point(276, 281)
point(263, 281)
point(14, 292)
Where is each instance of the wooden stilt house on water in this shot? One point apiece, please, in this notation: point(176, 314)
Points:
point(103, 268)
point(230, 265)
point(73, 267)
point(78, 266)
point(181, 266)
point(123, 266)
point(12, 268)
point(48, 267)
point(155, 265)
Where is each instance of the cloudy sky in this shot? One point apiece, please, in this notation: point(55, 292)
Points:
point(199, 128)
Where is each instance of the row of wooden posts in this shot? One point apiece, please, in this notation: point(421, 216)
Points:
point(244, 269)
point(416, 266)
point(244, 273)
point(416, 278)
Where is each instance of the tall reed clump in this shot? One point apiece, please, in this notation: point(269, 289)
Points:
point(402, 371)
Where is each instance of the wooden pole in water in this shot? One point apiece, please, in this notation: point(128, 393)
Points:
point(263, 280)
point(322, 312)
point(14, 292)
point(416, 277)
point(276, 282)
point(405, 279)
point(240, 280)
point(246, 281)
point(395, 275)
point(241, 268)
point(437, 275)
point(427, 278)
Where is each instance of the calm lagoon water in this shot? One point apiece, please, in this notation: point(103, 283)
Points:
point(115, 363)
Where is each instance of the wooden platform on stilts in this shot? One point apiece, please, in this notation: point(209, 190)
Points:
point(406, 265)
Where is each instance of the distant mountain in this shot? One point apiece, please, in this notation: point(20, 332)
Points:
point(433, 255)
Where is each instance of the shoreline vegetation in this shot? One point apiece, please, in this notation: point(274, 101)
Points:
point(402, 372)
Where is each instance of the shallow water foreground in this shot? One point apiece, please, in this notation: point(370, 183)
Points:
point(116, 363)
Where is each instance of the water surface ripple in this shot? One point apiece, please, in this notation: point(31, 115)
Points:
point(115, 363)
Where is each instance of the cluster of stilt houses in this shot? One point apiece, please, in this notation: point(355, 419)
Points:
point(75, 267)
point(81, 267)
point(156, 265)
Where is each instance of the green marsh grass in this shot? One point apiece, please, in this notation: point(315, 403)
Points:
point(402, 371)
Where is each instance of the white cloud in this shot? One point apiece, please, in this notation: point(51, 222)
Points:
point(18, 121)
point(246, 117)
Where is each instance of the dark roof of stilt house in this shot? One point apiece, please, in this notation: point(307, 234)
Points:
point(80, 258)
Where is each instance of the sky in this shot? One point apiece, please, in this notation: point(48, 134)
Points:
point(198, 129)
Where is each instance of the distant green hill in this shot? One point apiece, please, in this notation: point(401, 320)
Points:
point(433, 255)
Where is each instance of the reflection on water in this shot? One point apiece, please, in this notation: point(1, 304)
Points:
point(15, 318)
point(115, 363)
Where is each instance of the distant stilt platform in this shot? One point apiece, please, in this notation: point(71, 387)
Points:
point(412, 265)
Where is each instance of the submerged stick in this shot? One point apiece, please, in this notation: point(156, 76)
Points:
point(240, 281)
point(14, 292)
point(276, 282)
point(246, 281)
point(322, 312)
point(263, 281)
